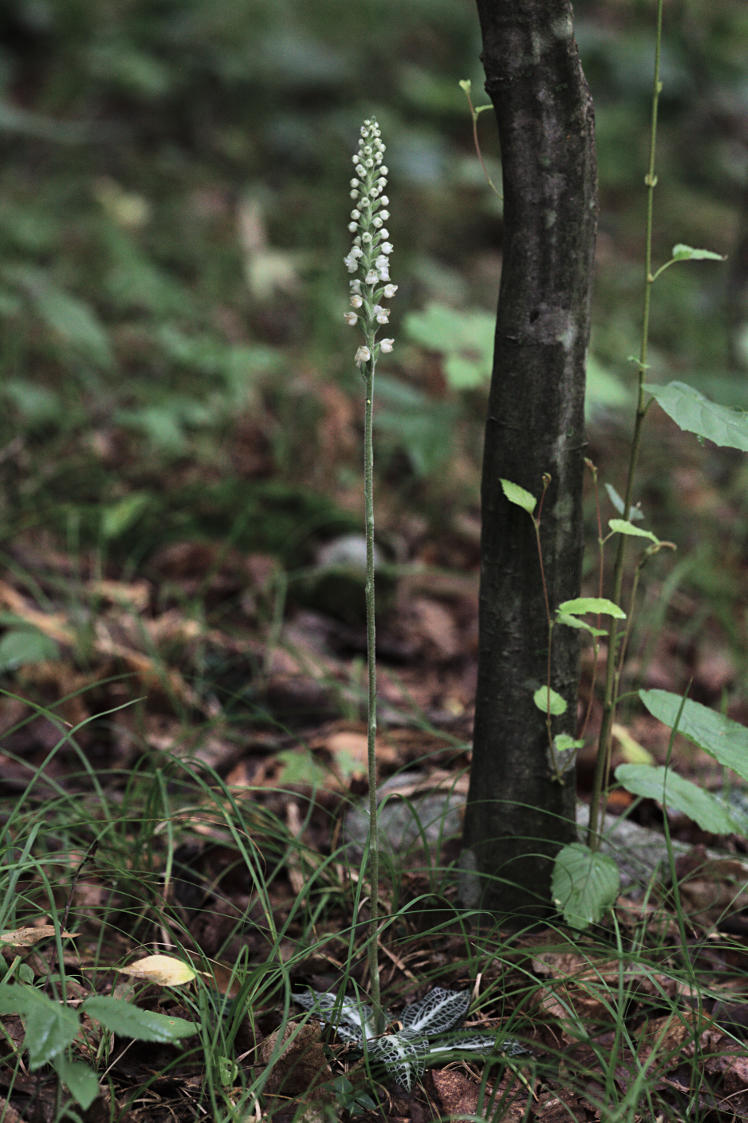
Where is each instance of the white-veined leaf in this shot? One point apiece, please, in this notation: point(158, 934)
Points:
point(437, 1012)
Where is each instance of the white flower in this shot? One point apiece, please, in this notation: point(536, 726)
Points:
point(369, 255)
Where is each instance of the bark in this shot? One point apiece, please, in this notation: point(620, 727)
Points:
point(517, 815)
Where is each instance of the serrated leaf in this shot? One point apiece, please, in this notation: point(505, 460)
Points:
point(437, 1012)
point(50, 1026)
point(164, 970)
point(548, 701)
point(695, 413)
point(679, 794)
point(623, 526)
point(518, 495)
point(599, 605)
point(584, 885)
point(719, 736)
point(682, 252)
point(80, 1080)
point(121, 1017)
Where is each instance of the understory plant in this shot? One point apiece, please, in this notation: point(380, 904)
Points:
point(425, 1032)
point(585, 882)
point(405, 1052)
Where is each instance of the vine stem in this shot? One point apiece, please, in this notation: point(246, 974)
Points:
point(371, 663)
point(612, 675)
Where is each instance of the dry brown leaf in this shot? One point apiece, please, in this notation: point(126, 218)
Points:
point(27, 937)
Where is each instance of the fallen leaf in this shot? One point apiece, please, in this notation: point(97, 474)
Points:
point(164, 970)
point(27, 937)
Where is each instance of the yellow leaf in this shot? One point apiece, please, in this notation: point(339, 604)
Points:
point(631, 751)
point(162, 969)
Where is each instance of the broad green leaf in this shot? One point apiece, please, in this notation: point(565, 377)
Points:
point(584, 885)
point(682, 252)
point(548, 701)
point(563, 743)
point(50, 1026)
point(120, 1016)
point(517, 495)
point(623, 526)
point(165, 970)
point(582, 625)
point(80, 1080)
point(669, 788)
point(437, 1012)
point(722, 738)
point(21, 646)
point(601, 605)
point(695, 413)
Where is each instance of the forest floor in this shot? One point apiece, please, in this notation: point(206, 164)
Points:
point(182, 772)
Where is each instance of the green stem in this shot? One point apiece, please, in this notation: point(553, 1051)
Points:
point(373, 940)
point(602, 763)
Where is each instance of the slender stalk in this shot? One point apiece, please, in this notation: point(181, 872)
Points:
point(369, 259)
point(602, 763)
point(371, 662)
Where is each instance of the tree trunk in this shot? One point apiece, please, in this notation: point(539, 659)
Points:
point(518, 815)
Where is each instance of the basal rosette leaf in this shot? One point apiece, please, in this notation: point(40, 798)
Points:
point(438, 1011)
point(352, 1020)
point(403, 1055)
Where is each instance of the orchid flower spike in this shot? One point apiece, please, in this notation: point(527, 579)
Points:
point(369, 256)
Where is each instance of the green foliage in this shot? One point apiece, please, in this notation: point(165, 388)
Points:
point(719, 736)
point(695, 413)
point(51, 1027)
point(519, 496)
point(549, 702)
point(463, 337)
point(678, 794)
point(584, 885)
point(22, 644)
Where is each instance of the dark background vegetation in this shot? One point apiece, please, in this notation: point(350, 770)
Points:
point(172, 222)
